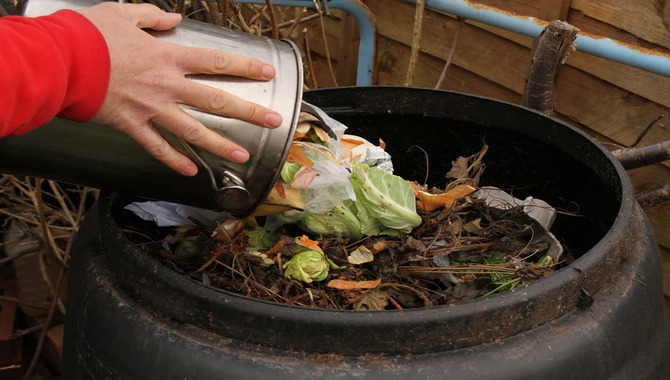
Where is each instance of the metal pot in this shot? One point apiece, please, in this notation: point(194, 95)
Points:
point(94, 155)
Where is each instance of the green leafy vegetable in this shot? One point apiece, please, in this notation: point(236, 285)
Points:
point(288, 171)
point(308, 265)
point(261, 238)
point(340, 221)
point(387, 198)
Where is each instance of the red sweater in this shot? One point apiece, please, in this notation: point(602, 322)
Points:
point(56, 65)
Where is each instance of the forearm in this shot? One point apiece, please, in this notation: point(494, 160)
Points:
point(56, 65)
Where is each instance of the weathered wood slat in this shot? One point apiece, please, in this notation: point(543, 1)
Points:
point(394, 59)
point(554, 9)
point(609, 110)
point(347, 55)
point(643, 18)
point(652, 86)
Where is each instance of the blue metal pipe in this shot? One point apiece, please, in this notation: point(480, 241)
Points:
point(530, 26)
point(367, 47)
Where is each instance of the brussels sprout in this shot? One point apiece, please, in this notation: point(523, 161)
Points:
point(308, 266)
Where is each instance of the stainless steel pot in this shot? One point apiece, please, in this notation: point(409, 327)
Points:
point(97, 156)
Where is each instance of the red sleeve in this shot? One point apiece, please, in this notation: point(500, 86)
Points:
point(55, 65)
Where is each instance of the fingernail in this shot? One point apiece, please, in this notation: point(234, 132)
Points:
point(268, 71)
point(239, 156)
point(273, 120)
point(190, 170)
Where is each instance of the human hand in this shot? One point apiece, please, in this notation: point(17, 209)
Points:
point(148, 82)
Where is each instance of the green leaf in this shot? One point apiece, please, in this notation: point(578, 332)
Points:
point(385, 197)
point(288, 171)
point(261, 238)
point(340, 221)
point(307, 266)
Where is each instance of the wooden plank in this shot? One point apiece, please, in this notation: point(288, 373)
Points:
point(480, 52)
point(531, 8)
point(642, 18)
point(347, 56)
point(393, 61)
point(554, 9)
point(609, 110)
point(649, 85)
point(323, 77)
point(600, 28)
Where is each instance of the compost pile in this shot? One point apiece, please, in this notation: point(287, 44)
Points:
point(339, 231)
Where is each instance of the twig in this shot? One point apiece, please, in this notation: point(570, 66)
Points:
point(425, 154)
point(62, 204)
point(551, 49)
point(8, 259)
point(50, 244)
point(443, 75)
point(42, 338)
point(325, 42)
point(393, 302)
point(273, 19)
point(29, 330)
point(56, 299)
point(633, 158)
point(292, 23)
point(24, 303)
point(308, 56)
point(653, 197)
point(416, 41)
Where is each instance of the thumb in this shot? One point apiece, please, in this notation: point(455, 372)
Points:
point(150, 16)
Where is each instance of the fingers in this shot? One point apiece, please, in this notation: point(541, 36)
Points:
point(191, 130)
point(151, 17)
point(211, 61)
point(152, 141)
point(223, 103)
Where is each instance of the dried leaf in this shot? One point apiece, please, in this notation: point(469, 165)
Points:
point(301, 131)
point(459, 168)
point(296, 154)
point(211, 260)
point(474, 227)
point(374, 300)
point(276, 248)
point(353, 285)
point(468, 170)
point(320, 133)
point(354, 148)
point(414, 244)
point(279, 201)
point(303, 177)
point(361, 255)
point(308, 243)
point(307, 118)
point(226, 231)
point(429, 202)
point(469, 290)
point(379, 245)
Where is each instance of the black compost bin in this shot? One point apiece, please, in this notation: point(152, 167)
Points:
point(600, 317)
